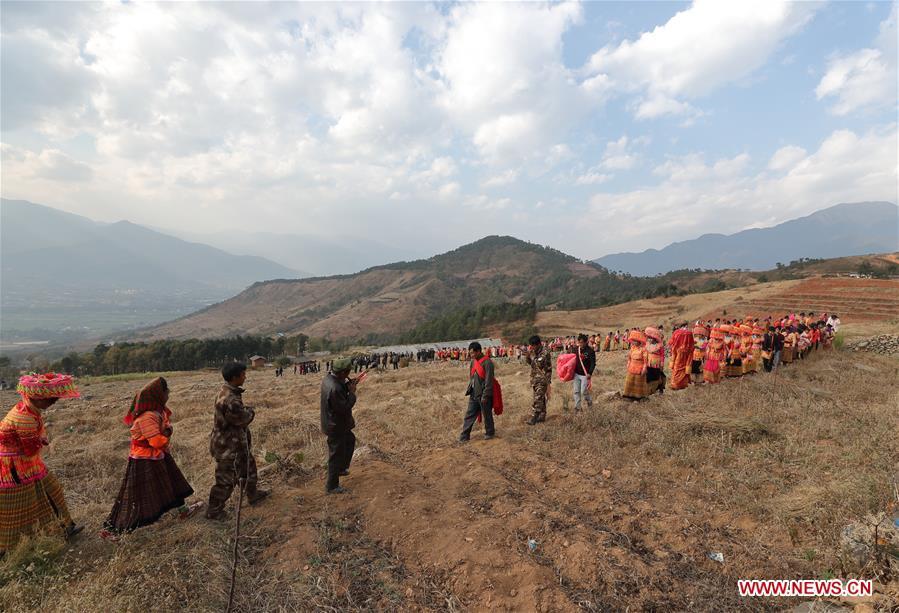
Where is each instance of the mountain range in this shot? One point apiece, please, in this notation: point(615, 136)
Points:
point(308, 254)
point(45, 247)
point(844, 229)
point(65, 276)
point(385, 302)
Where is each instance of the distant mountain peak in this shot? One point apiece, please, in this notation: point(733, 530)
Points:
point(844, 229)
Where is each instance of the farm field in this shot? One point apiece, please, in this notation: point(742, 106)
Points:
point(624, 500)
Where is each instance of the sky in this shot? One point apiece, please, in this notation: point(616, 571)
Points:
point(590, 127)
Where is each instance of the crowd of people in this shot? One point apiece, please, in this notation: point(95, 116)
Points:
point(708, 351)
point(31, 498)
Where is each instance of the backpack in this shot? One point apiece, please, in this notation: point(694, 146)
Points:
point(477, 366)
point(566, 365)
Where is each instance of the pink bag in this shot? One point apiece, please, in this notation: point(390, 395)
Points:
point(565, 366)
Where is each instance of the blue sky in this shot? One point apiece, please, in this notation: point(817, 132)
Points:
point(594, 128)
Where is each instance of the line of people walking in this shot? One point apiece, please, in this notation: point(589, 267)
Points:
point(31, 498)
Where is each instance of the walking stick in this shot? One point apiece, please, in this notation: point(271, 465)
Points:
point(234, 554)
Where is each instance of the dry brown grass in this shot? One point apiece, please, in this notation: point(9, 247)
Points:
point(624, 500)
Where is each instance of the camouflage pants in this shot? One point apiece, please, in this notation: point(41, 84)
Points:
point(538, 410)
point(227, 474)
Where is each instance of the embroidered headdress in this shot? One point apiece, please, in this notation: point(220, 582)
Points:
point(47, 385)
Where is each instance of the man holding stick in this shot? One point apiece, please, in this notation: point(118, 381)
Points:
point(338, 396)
point(230, 444)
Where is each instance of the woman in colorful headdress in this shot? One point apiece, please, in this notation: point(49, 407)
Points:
point(715, 355)
point(700, 341)
point(635, 382)
point(791, 338)
point(681, 358)
point(734, 361)
point(758, 335)
point(827, 336)
point(153, 484)
point(31, 498)
point(804, 343)
point(607, 343)
point(655, 359)
point(749, 364)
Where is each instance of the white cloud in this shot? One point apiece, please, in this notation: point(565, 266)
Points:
point(696, 197)
point(620, 154)
point(592, 177)
point(786, 157)
point(223, 115)
point(501, 180)
point(504, 80)
point(866, 78)
point(50, 165)
point(701, 48)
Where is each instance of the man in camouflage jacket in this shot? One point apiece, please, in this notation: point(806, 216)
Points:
point(230, 443)
point(541, 361)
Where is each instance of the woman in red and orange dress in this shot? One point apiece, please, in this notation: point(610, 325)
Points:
point(716, 354)
point(31, 498)
point(681, 357)
point(655, 359)
point(700, 340)
point(153, 484)
point(734, 361)
point(746, 349)
point(635, 385)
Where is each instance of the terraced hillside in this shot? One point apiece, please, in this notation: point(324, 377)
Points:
point(856, 301)
point(852, 299)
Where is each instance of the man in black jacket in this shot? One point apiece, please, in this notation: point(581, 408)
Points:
point(583, 372)
point(338, 395)
point(479, 392)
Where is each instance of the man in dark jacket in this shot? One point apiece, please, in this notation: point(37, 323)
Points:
point(583, 372)
point(338, 396)
point(230, 444)
point(479, 392)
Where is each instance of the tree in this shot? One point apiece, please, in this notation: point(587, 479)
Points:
point(302, 342)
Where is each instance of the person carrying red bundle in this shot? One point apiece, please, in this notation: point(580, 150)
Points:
point(483, 392)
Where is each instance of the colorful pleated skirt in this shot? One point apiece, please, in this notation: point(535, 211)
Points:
point(26, 509)
point(635, 386)
point(734, 369)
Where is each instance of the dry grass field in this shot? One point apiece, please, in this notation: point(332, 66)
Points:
point(624, 500)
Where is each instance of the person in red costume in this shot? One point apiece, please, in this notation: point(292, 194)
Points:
point(31, 498)
point(153, 483)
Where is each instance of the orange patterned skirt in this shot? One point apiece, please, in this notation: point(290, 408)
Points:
point(635, 386)
point(28, 508)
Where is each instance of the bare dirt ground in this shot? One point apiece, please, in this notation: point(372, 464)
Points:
point(624, 500)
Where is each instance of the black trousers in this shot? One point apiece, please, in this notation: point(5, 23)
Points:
point(471, 416)
point(340, 453)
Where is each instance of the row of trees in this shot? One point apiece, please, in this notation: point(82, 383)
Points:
point(469, 323)
point(192, 354)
